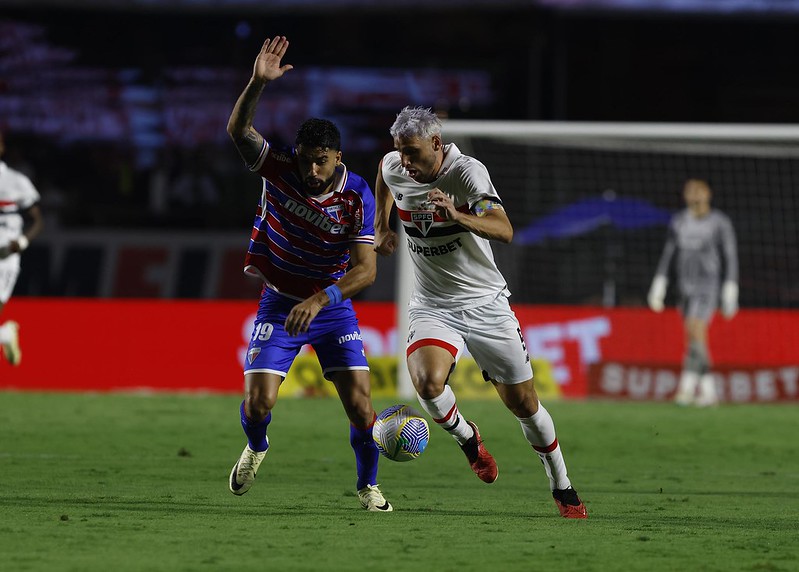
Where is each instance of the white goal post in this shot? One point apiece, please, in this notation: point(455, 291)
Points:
point(541, 166)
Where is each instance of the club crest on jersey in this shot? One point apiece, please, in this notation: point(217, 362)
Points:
point(252, 354)
point(335, 211)
point(423, 220)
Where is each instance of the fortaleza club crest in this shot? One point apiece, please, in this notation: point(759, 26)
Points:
point(252, 354)
point(423, 220)
point(335, 211)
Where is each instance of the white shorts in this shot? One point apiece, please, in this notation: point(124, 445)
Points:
point(9, 271)
point(491, 332)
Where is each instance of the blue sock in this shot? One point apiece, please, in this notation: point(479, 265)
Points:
point(256, 433)
point(366, 455)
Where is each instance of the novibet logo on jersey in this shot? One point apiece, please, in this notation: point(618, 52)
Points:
point(316, 218)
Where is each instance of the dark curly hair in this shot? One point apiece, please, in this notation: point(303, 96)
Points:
point(319, 133)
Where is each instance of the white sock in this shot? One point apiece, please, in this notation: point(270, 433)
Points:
point(444, 411)
point(539, 430)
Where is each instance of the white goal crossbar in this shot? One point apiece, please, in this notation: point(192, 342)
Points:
point(554, 130)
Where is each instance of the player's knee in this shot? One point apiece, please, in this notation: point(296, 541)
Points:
point(428, 386)
point(428, 381)
point(258, 407)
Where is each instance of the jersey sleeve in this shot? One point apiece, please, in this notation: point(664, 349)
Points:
point(272, 160)
point(668, 249)
point(477, 184)
point(729, 248)
point(365, 234)
point(28, 195)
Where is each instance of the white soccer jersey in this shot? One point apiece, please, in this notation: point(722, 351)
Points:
point(454, 268)
point(17, 194)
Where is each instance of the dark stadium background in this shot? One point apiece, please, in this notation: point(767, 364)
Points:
point(149, 64)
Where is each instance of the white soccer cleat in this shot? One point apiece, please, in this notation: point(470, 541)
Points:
point(373, 500)
point(684, 399)
point(11, 346)
point(708, 396)
point(686, 390)
point(243, 474)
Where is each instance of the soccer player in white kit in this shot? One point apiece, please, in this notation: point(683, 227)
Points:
point(701, 237)
point(450, 210)
point(18, 206)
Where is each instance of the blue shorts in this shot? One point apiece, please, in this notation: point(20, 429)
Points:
point(333, 334)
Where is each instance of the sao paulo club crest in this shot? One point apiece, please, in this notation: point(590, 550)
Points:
point(423, 220)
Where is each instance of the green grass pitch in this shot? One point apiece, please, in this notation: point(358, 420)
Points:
point(129, 482)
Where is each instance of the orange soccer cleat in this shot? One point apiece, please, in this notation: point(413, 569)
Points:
point(569, 504)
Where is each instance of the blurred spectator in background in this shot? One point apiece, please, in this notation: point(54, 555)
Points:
point(701, 236)
point(20, 222)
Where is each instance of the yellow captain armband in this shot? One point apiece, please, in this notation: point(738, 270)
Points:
point(481, 207)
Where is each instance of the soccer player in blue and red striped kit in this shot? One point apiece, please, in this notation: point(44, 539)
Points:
point(312, 244)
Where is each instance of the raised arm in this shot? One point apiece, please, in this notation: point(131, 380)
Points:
point(266, 68)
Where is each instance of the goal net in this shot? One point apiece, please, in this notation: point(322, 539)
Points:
point(590, 203)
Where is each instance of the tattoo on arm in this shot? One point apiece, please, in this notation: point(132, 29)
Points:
point(248, 141)
point(250, 146)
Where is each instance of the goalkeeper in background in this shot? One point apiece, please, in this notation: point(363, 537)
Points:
point(701, 236)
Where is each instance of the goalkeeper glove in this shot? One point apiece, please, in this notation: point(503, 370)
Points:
point(657, 293)
point(729, 299)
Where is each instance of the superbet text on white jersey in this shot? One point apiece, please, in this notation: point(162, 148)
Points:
point(454, 268)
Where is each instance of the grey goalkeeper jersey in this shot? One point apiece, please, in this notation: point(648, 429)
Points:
point(700, 244)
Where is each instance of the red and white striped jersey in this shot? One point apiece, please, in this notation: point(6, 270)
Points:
point(17, 194)
point(300, 245)
point(453, 267)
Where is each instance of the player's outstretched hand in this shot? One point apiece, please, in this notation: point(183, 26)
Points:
point(385, 242)
point(267, 65)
